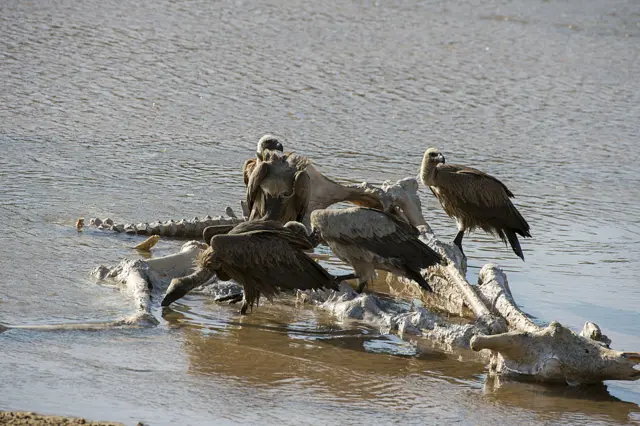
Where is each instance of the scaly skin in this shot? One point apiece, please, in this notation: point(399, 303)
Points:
point(187, 229)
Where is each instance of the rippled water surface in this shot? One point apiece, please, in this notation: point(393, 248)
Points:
point(146, 110)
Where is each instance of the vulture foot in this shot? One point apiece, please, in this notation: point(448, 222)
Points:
point(243, 309)
point(361, 286)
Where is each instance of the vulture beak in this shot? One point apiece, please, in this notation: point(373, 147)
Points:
point(441, 158)
point(315, 237)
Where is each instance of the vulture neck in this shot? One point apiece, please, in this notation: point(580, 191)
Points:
point(429, 172)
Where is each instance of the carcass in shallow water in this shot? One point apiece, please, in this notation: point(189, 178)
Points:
point(370, 239)
point(264, 257)
point(475, 199)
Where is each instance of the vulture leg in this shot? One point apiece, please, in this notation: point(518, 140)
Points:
point(245, 305)
point(458, 241)
point(365, 273)
point(361, 285)
point(255, 298)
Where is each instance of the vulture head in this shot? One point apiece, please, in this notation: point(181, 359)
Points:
point(433, 156)
point(267, 143)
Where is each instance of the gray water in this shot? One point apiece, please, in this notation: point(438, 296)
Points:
point(146, 110)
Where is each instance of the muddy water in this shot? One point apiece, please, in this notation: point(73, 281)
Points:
point(145, 110)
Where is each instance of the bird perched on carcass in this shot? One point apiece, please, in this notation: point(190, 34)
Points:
point(370, 239)
point(264, 257)
point(278, 186)
point(475, 199)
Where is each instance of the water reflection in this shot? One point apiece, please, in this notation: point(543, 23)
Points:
point(560, 402)
point(351, 365)
point(302, 353)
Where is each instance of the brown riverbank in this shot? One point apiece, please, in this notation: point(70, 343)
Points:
point(20, 418)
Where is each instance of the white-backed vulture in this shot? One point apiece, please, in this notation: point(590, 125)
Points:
point(267, 143)
point(475, 199)
point(323, 191)
point(370, 239)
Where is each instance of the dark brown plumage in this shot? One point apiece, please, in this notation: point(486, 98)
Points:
point(370, 239)
point(278, 188)
point(266, 144)
point(264, 257)
point(323, 191)
point(475, 199)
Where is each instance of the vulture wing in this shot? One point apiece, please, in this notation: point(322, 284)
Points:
point(301, 194)
point(485, 196)
point(474, 182)
point(258, 174)
point(247, 169)
point(378, 232)
point(274, 228)
point(266, 262)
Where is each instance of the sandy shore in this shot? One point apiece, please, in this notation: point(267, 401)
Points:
point(20, 418)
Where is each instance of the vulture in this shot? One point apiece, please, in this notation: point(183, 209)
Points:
point(266, 144)
point(264, 257)
point(370, 239)
point(475, 199)
point(323, 191)
point(278, 186)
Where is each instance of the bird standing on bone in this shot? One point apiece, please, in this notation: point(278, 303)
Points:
point(475, 199)
point(264, 257)
point(370, 239)
point(278, 186)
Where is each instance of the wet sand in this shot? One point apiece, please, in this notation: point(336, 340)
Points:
point(18, 418)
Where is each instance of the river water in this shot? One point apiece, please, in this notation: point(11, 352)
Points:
point(146, 110)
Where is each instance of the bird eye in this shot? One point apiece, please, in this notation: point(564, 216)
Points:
point(433, 154)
